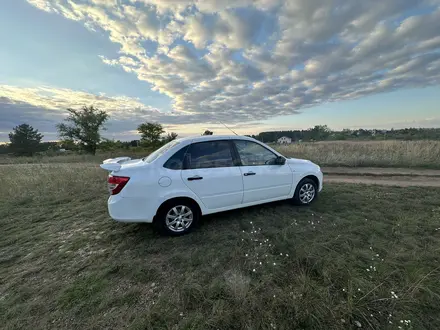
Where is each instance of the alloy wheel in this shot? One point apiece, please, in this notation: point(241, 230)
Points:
point(179, 218)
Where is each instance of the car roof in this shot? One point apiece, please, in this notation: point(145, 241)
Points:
point(197, 138)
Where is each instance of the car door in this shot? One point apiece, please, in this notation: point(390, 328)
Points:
point(262, 179)
point(212, 174)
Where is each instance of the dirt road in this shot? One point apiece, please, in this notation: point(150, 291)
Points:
point(401, 177)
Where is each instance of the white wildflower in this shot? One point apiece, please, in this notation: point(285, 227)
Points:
point(358, 324)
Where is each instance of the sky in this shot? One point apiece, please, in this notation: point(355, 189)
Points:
point(191, 65)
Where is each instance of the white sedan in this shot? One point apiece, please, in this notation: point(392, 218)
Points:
point(190, 177)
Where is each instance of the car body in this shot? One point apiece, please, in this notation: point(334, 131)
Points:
point(208, 174)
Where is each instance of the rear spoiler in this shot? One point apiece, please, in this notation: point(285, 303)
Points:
point(113, 164)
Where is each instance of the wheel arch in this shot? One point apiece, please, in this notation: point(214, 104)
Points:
point(312, 177)
point(178, 199)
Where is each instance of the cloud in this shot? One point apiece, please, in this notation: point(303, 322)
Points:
point(57, 99)
point(249, 60)
point(44, 107)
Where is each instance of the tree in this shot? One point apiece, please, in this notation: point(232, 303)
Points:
point(150, 133)
point(25, 140)
point(68, 145)
point(320, 132)
point(110, 145)
point(134, 143)
point(170, 137)
point(208, 132)
point(83, 127)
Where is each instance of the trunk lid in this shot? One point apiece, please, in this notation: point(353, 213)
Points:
point(116, 164)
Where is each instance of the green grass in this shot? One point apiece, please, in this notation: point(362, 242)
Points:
point(65, 265)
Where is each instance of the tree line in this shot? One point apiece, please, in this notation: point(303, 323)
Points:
point(324, 133)
point(80, 131)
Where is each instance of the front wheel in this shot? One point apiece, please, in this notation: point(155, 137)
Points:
point(176, 218)
point(306, 192)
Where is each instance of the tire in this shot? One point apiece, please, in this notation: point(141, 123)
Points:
point(171, 220)
point(306, 192)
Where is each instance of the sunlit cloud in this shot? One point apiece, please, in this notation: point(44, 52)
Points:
point(249, 60)
point(253, 60)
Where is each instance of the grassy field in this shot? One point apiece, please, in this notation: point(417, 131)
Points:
point(368, 153)
point(361, 256)
point(338, 153)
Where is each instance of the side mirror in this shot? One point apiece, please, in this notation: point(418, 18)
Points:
point(280, 160)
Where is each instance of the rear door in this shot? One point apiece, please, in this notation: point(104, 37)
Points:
point(262, 179)
point(212, 174)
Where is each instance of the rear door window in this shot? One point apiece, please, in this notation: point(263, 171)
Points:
point(175, 162)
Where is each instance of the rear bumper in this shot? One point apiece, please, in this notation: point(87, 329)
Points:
point(126, 209)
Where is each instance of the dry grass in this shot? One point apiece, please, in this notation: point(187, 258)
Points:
point(337, 153)
point(368, 153)
point(65, 265)
point(73, 157)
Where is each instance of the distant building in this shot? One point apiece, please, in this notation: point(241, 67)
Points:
point(284, 140)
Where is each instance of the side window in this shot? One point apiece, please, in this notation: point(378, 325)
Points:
point(209, 154)
point(175, 162)
point(254, 154)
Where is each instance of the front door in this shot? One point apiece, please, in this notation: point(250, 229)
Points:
point(209, 171)
point(262, 179)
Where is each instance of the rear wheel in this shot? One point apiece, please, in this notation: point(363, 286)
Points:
point(306, 192)
point(177, 217)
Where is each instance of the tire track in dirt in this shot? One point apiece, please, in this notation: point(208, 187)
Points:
point(401, 181)
point(400, 177)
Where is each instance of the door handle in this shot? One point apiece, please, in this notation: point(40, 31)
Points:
point(195, 178)
point(249, 173)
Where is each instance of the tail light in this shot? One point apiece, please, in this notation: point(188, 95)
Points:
point(116, 183)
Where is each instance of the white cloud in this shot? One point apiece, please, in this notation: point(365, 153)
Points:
point(57, 99)
point(244, 60)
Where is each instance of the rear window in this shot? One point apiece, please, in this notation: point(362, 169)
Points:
point(175, 162)
point(159, 152)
